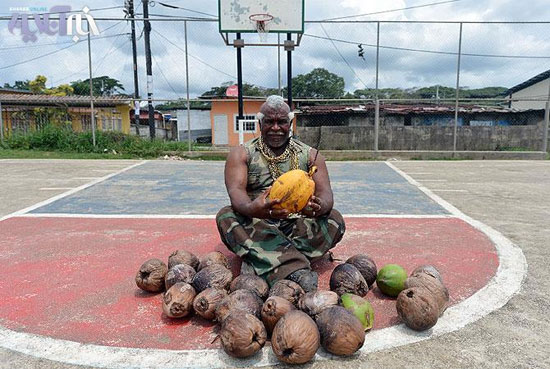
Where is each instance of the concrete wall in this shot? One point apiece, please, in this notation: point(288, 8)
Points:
point(538, 90)
point(423, 137)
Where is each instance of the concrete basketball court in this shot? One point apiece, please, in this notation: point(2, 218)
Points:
point(73, 233)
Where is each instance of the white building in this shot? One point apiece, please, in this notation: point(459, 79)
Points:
point(536, 88)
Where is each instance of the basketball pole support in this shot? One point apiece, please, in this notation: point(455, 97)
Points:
point(239, 45)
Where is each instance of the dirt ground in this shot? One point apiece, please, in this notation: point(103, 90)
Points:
point(512, 197)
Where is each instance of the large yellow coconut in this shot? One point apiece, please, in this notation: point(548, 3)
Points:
point(294, 188)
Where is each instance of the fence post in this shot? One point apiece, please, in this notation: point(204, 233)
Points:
point(546, 122)
point(187, 89)
point(457, 86)
point(1, 124)
point(91, 86)
point(376, 101)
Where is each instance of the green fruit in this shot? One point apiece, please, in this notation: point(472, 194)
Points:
point(361, 308)
point(391, 279)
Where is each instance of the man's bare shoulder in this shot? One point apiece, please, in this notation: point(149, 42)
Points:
point(237, 154)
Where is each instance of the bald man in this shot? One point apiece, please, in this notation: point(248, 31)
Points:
point(276, 244)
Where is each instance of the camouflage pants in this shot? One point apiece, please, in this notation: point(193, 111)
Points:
point(276, 248)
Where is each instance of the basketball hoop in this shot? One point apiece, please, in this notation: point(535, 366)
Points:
point(262, 22)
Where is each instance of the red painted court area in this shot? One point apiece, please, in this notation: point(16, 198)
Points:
point(73, 278)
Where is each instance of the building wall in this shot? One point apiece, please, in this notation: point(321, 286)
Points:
point(538, 90)
point(201, 126)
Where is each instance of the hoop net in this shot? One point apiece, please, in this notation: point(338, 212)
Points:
point(262, 23)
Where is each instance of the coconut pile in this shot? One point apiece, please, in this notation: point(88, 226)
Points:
point(249, 313)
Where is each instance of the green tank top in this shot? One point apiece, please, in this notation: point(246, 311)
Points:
point(259, 177)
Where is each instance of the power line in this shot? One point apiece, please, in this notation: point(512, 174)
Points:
point(164, 76)
point(430, 51)
point(392, 10)
point(166, 5)
point(342, 56)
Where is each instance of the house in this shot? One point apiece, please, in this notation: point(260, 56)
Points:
point(225, 127)
point(536, 88)
point(162, 129)
point(23, 112)
point(199, 120)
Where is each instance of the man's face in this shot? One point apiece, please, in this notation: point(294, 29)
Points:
point(275, 127)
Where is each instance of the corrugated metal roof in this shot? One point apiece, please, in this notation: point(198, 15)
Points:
point(73, 100)
point(529, 82)
point(404, 109)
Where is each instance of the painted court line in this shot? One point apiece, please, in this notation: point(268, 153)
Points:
point(70, 192)
point(211, 216)
point(507, 281)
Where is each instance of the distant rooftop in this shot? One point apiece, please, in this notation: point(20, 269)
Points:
point(529, 82)
point(73, 100)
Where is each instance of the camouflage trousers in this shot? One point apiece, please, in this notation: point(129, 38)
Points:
point(276, 248)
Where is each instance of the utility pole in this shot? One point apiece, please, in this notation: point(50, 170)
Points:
point(149, 68)
point(130, 6)
point(92, 111)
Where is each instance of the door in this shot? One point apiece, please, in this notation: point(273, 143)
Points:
point(220, 130)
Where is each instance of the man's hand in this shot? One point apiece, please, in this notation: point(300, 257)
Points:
point(262, 207)
point(313, 208)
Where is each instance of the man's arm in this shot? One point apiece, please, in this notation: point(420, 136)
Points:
point(236, 179)
point(322, 201)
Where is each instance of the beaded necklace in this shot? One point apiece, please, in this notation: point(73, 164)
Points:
point(291, 152)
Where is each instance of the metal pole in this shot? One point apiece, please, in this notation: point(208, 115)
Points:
point(134, 59)
point(91, 86)
point(1, 124)
point(546, 122)
point(289, 71)
point(240, 79)
point(279, 64)
point(149, 68)
point(457, 86)
point(376, 101)
point(187, 88)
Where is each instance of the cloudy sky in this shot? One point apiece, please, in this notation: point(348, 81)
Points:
point(411, 54)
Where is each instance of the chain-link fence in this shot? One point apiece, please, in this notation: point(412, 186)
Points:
point(390, 85)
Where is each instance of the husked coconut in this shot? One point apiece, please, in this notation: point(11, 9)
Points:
point(243, 300)
point(432, 284)
point(179, 273)
point(312, 303)
point(288, 290)
point(429, 269)
point(178, 300)
point(345, 278)
point(150, 276)
point(205, 302)
point(242, 334)
point(418, 308)
point(295, 338)
point(341, 332)
point(366, 266)
point(213, 276)
point(273, 309)
point(183, 257)
point(214, 257)
point(250, 282)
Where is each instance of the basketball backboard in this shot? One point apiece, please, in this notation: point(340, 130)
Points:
point(287, 15)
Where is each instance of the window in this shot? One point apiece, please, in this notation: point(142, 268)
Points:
point(249, 124)
point(86, 121)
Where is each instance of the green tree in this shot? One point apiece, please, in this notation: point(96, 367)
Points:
point(18, 85)
point(319, 83)
point(101, 86)
point(38, 84)
point(248, 90)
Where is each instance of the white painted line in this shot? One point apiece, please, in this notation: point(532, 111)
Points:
point(211, 216)
point(507, 282)
point(446, 190)
point(55, 188)
point(70, 192)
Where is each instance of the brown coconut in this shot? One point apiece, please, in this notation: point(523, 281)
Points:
point(205, 302)
point(178, 300)
point(242, 334)
point(273, 309)
point(214, 257)
point(345, 278)
point(183, 257)
point(418, 308)
point(179, 273)
point(243, 300)
point(288, 290)
point(250, 282)
point(341, 332)
point(213, 276)
point(429, 269)
point(432, 284)
point(366, 266)
point(295, 338)
point(312, 303)
point(150, 276)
